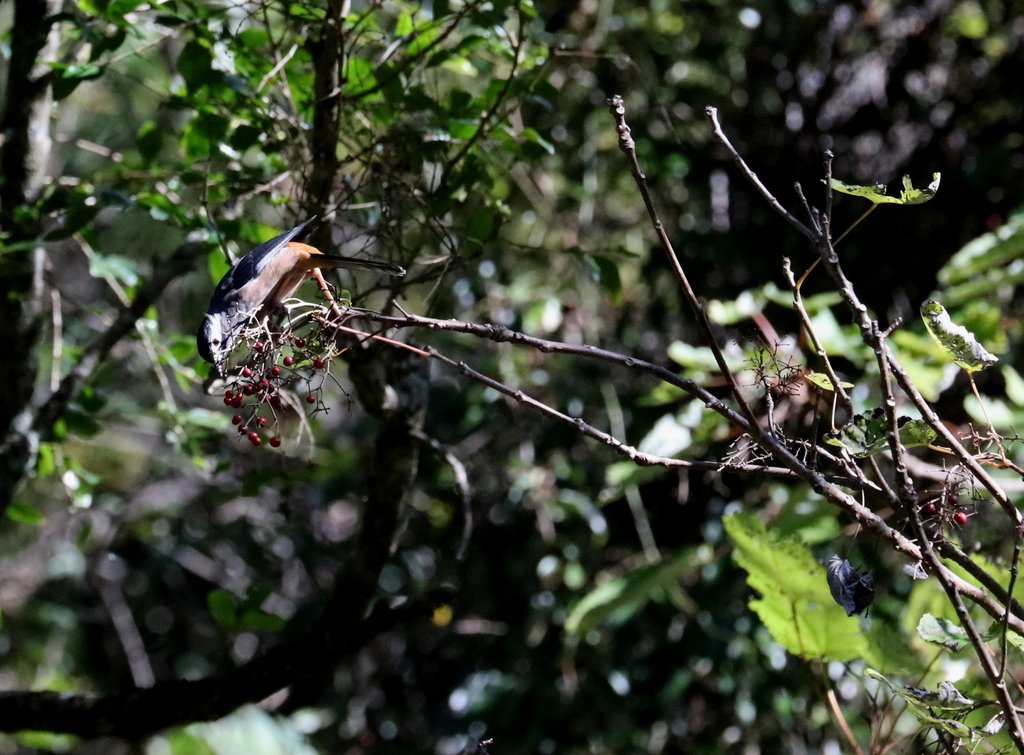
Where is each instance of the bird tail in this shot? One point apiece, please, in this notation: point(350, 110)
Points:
point(354, 263)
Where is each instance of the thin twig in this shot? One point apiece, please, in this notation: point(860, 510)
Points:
point(805, 318)
point(856, 222)
point(462, 484)
point(712, 114)
point(628, 147)
point(837, 712)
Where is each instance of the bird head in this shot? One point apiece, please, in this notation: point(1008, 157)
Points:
point(216, 340)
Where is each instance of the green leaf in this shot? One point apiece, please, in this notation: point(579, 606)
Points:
point(605, 272)
point(823, 381)
point(795, 605)
point(987, 257)
point(195, 64)
point(958, 342)
point(876, 194)
point(868, 434)
point(81, 424)
point(115, 267)
point(217, 265)
point(70, 76)
point(222, 607)
point(23, 513)
point(925, 704)
point(261, 621)
point(359, 75)
point(944, 632)
point(618, 599)
point(149, 140)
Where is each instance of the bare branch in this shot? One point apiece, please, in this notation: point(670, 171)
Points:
point(628, 147)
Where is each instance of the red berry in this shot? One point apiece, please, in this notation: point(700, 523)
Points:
point(258, 346)
point(929, 508)
point(264, 383)
point(236, 420)
point(275, 371)
point(229, 400)
point(319, 363)
point(236, 402)
point(311, 399)
point(289, 361)
point(254, 438)
point(262, 421)
point(960, 517)
point(246, 372)
point(300, 342)
point(229, 393)
point(275, 441)
point(249, 389)
point(275, 401)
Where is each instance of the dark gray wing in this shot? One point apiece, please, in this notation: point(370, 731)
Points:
point(250, 266)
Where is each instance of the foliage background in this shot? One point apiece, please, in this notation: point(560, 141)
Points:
point(475, 148)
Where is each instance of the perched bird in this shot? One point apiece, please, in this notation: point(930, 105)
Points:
point(261, 281)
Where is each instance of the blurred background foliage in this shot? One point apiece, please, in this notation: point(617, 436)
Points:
point(597, 608)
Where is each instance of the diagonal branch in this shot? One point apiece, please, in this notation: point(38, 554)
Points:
point(628, 147)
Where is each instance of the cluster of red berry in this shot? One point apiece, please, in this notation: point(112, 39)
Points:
point(944, 510)
point(264, 382)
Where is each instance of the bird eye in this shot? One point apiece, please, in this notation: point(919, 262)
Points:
point(215, 342)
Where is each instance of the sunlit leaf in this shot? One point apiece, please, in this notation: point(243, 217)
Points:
point(987, 257)
point(795, 604)
point(958, 342)
point(928, 706)
point(944, 632)
point(876, 194)
point(823, 381)
point(24, 513)
point(868, 434)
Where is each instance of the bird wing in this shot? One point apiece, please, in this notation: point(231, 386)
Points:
point(250, 266)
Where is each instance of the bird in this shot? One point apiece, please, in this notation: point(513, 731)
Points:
point(259, 282)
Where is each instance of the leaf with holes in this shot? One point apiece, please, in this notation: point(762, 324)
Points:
point(876, 194)
point(957, 341)
point(867, 434)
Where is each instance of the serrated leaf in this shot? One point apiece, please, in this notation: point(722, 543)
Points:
point(957, 341)
point(939, 631)
point(867, 434)
point(876, 194)
point(796, 605)
point(823, 381)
